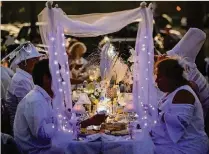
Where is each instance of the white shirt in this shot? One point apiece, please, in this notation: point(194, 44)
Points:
point(34, 121)
point(6, 77)
point(20, 86)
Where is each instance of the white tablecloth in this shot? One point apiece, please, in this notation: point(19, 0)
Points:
point(141, 145)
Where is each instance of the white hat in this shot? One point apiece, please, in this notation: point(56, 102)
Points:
point(189, 46)
point(71, 43)
point(23, 52)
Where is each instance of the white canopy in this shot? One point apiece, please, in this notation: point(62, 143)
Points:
point(91, 25)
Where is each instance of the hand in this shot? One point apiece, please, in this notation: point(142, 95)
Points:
point(97, 119)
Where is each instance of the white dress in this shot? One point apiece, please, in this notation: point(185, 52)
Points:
point(183, 129)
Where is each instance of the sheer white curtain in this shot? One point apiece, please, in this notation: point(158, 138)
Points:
point(91, 25)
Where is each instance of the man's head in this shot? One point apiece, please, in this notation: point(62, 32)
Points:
point(26, 56)
point(42, 76)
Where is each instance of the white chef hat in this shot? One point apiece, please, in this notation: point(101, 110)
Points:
point(23, 52)
point(189, 46)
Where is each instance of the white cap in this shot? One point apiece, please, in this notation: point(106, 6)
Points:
point(23, 52)
point(189, 46)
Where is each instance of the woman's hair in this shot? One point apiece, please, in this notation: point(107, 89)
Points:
point(41, 68)
point(171, 69)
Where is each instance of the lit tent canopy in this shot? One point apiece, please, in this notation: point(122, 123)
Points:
point(91, 25)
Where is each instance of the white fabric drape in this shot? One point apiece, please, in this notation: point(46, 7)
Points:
point(92, 25)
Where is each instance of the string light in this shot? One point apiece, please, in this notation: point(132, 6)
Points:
point(63, 44)
point(155, 122)
point(52, 39)
point(52, 126)
point(145, 37)
point(55, 53)
point(57, 72)
point(67, 72)
point(60, 90)
point(64, 83)
point(60, 116)
point(149, 53)
point(143, 49)
point(55, 62)
point(145, 124)
point(63, 34)
point(149, 62)
point(146, 78)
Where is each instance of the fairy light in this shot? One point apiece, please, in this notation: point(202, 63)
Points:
point(57, 72)
point(67, 72)
point(60, 116)
point(145, 124)
point(146, 78)
point(143, 49)
point(155, 122)
point(149, 62)
point(63, 44)
point(63, 34)
point(52, 39)
point(64, 83)
point(52, 126)
point(59, 80)
point(55, 62)
point(65, 54)
point(55, 53)
point(60, 90)
point(149, 53)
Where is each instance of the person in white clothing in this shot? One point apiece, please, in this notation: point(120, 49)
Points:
point(187, 50)
point(6, 77)
point(34, 119)
point(25, 57)
point(180, 127)
point(35, 123)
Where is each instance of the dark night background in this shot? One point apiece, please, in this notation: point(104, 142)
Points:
point(195, 11)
